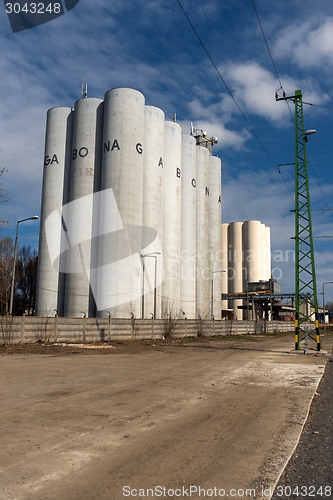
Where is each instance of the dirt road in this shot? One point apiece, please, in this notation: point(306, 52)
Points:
point(221, 415)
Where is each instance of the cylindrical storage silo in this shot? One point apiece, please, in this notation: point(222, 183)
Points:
point(224, 264)
point(188, 228)
point(171, 218)
point(235, 266)
point(152, 215)
point(85, 180)
point(55, 193)
point(266, 252)
point(119, 263)
point(204, 271)
point(215, 215)
point(252, 252)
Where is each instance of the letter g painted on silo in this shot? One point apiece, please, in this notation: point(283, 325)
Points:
point(24, 15)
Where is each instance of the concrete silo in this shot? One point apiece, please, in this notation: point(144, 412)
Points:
point(55, 193)
point(85, 180)
point(152, 214)
point(215, 213)
point(204, 275)
point(188, 227)
point(171, 217)
point(266, 249)
point(224, 262)
point(252, 251)
point(119, 276)
point(235, 266)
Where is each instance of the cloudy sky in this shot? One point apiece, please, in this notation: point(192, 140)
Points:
point(149, 45)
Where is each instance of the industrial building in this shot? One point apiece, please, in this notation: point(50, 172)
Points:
point(131, 216)
point(247, 257)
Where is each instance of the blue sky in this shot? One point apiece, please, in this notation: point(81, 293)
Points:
point(149, 45)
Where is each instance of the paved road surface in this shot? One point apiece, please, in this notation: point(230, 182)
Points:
point(310, 470)
point(224, 414)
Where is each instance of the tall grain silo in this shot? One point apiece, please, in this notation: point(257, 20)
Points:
point(85, 180)
point(224, 263)
point(204, 275)
point(215, 213)
point(152, 215)
point(171, 218)
point(188, 227)
point(55, 193)
point(235, 266)
point(119, 276)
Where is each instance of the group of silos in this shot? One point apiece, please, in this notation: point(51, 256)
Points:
point(113, 170)
point(246, 255)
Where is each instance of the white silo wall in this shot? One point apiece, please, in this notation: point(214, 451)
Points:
point(119, 283)
point(252, 248)
point(152, 215)
point(55, 193)
point(215, 198)
point(235, 265)
point(224, 262)
point(267, 252)
point(204, 274)
point(85, 180)
point(188, 227)
point(171, 218)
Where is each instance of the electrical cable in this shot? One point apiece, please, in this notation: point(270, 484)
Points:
point(270, 55)
point(281, 86)
point(232, 96)
point(317, 105)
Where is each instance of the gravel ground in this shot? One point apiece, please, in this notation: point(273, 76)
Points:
point(309, 473)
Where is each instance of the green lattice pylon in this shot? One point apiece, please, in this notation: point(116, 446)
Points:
point(306, 302)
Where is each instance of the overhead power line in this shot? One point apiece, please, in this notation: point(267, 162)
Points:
point(232, 96)
point(309, 104)
point(270, 55)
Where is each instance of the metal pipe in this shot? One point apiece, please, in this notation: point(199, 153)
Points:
point(212, 294)
point(154, 255)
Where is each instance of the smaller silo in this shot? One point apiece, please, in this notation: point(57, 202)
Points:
point(215, 215)
point(188, 259)
point(85, 180)
point(235, 266)
point(204, 271)
point(171, 218)
point(55, 194)
point(152, 212)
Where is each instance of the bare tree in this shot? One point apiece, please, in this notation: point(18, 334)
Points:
point(25, 278)
point(171, 316)
point(6, 269)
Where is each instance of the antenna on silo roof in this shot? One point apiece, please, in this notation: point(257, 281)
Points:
point(84, 90)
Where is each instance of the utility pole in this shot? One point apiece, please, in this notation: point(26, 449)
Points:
point(307, 323)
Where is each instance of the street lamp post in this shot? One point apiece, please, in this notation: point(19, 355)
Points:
point(34, 217)
point(212, 293)
point(326, 283)
point(153, 255)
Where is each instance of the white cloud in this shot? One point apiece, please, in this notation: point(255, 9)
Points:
point(309, 44)
point(214, 121)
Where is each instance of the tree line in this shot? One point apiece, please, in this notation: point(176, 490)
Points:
point(25, 278)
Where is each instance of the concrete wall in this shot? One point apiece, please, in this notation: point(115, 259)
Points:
point(78, 330)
